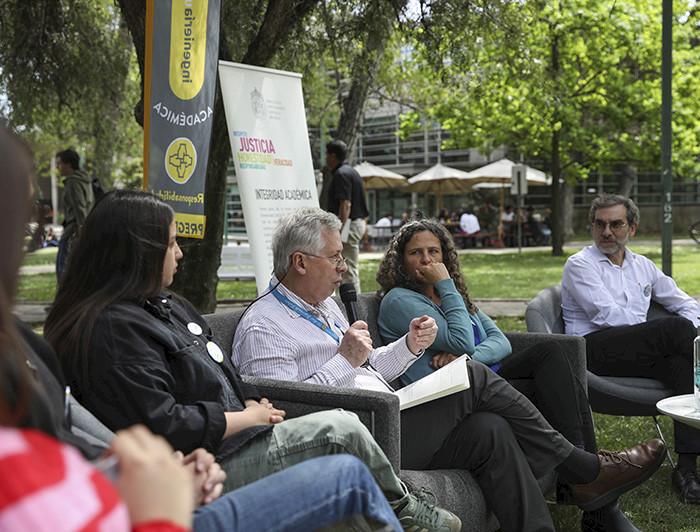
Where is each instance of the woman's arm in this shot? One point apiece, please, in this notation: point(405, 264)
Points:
point(262, 413)
point(495, 346)
point(455, 334)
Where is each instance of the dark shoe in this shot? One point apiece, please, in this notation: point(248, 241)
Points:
point(620, 472)
point(686, 483)
point(609, 518)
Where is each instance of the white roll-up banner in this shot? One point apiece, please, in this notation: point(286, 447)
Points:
point(266, 123)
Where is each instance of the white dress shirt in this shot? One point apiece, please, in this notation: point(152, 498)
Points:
point(597, 294)
point(276, 342)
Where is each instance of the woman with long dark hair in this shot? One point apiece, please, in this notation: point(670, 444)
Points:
point(420, 275)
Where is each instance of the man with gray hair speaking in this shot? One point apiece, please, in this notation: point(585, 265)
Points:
point(605, 296)
point(297, 332)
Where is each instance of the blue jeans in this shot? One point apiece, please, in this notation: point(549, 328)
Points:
point(307, 496)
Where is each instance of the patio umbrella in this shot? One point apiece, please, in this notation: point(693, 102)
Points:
point(375, 177)
point(440, 180)
point(499, 173)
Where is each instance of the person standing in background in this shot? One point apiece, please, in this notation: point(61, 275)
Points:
point(346, 199)
point(78, 197)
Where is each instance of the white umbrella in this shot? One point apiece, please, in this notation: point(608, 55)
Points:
point(375, 177)
point(440, 180)
point(498, 174)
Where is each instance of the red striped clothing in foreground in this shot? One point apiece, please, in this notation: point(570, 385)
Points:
point(48, 486)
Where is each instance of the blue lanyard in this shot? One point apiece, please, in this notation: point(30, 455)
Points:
point(306, 315)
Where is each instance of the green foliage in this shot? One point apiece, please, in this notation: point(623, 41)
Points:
point(70, 79)
point(515, 73)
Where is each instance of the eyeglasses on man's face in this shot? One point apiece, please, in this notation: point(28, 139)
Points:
point(337, 262)
point(615, 226)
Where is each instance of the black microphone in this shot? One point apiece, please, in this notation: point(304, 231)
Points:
point(348, 296)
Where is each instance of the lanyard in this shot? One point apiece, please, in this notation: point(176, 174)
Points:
point(306, 315)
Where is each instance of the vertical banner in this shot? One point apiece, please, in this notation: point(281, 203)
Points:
point(182, 50)
point(270, 144)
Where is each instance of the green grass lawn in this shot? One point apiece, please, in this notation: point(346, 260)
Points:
point(41, 257)
point(511, 275)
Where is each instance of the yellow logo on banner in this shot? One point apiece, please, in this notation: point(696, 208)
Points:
point(190, 225)
point(188, 47)
point(180, 160)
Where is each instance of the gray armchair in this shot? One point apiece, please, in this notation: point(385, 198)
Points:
point(620, 396)
point(455, 490)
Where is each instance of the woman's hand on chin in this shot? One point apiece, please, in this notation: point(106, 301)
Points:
point(432, 273)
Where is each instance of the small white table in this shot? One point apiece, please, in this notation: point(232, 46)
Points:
point(681, 408)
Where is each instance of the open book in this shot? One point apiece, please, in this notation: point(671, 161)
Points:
point(447, 380)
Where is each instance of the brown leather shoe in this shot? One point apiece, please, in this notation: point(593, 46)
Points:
point(620, 472)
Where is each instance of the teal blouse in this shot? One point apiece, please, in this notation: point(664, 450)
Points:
point(455, 331)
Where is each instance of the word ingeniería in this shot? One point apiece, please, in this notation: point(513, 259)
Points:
point(256, 153)
point(188, 39)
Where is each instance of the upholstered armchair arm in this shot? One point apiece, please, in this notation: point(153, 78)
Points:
point(378, 411)
point(574, 347)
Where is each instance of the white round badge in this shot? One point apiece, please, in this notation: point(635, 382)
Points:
point(215, 352)
point(194, 328)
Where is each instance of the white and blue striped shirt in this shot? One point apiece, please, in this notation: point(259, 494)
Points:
point(274, 341)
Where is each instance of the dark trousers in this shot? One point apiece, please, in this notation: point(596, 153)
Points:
point(557, 393)
point(661, 349)
point(498, 434)
point(62, 256)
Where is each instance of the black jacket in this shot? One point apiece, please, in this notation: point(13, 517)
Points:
point(148, 364)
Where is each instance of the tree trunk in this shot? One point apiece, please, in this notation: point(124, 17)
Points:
point(365, 69)
point(557, 203)
point(566, 195)
point(627, 179)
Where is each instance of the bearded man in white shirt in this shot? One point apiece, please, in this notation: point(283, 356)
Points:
point(606, 293)
point(297, 332)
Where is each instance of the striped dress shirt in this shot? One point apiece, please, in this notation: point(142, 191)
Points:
point(274, 341)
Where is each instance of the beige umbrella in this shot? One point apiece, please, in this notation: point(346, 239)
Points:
point(499, 173)
point(375, 177)
point(440, 180)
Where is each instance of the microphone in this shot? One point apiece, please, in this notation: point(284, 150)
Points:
point(348, 296)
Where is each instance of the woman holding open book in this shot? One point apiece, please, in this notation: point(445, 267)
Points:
point(420, 275)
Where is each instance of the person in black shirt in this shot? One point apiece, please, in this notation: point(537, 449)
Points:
point(346, 199)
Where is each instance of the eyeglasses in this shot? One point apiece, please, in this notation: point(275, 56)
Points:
point(337, 262)
point(615, 226)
